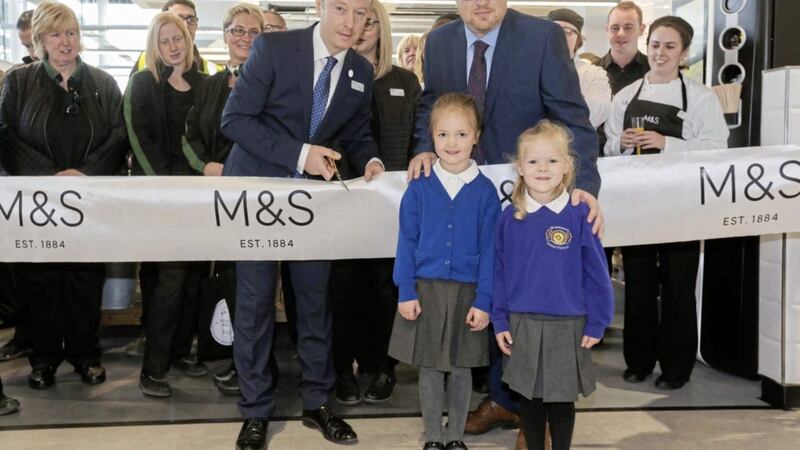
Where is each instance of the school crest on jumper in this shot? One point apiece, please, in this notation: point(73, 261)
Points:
point(558, 237)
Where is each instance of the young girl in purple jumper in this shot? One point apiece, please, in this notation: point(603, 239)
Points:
point(443, 271)
point(552, 295)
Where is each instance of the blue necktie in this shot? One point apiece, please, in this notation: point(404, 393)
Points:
point(320, 98)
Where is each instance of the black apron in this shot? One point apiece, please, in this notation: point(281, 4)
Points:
point(665, 120)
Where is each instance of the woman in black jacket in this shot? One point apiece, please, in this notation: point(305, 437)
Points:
point(60, 116)
point(157, 101)
point(205, 146)
point(363, 296)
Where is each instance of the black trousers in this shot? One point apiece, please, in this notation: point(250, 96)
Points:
point(63, 301)
point(671, 339)
point(364, 302)
point(9, 304)
point(172, 314)
point(12, 311)
point(289, 301)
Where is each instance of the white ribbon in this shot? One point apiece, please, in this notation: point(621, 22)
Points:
point(647, 199)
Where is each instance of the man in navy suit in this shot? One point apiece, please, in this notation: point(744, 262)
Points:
point(297, 93)
point(519, 71)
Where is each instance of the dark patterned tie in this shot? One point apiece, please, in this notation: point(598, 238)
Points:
point(320, 98)
point(476, 87)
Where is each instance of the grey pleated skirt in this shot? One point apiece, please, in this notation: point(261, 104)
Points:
point(440, 337)
point(547, 360)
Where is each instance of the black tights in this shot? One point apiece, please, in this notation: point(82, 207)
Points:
point(533, 415)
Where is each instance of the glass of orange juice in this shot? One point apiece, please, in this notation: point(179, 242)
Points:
point(637, 123)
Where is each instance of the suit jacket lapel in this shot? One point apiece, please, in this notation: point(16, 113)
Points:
point(501, 61)
point(460, 55)
point(305, 73)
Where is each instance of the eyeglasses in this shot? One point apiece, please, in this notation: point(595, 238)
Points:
point(370, 23)
point(270, 28)
point(75, 106)
point(240, 32)
point(190, 20)
point(569, 31)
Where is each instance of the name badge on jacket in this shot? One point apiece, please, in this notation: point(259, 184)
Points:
point(356, 85)
point(397, 92)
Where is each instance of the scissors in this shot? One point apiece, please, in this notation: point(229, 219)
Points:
point(332, 164)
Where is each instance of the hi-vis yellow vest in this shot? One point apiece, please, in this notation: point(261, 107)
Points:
point(206, 67)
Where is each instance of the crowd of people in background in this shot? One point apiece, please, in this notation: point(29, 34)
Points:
point(482, 86)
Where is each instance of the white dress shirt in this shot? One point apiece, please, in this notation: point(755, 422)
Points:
point(595, 89)
point(453, 182)
point(704, 126)
point(556, 205)
point(321, 54)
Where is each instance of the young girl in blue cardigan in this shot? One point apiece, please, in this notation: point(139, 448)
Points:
point(443, 271)
point(552, 294)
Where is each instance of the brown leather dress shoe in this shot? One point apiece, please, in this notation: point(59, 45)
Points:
point(489, 415)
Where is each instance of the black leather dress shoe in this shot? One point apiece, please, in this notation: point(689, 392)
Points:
point(332, 427)
point(381, 388)
point(634, 377)
point(91, 373)
point(669, 383)
point(347, 392)
point(14, 349)
point(42, 377)
point(453, 445)
point(154, 387)
point(253, 435)
point(433, 445)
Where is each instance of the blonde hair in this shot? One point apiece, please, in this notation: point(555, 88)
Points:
point(384, 39)
point(242, 8)
point(52, 17)
point(152, 54)
point(420, 59)
point(462, 102)
point(410, 39)
point(556, 134)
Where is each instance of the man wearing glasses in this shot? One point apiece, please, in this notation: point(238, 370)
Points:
point(186, 10)
point(283, 119)
point(273, 21)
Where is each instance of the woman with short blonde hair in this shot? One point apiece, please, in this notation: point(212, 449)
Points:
point(407, 50)
point(52, 17)
point(242, 8)
point(206, 147)
point(61, 117)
